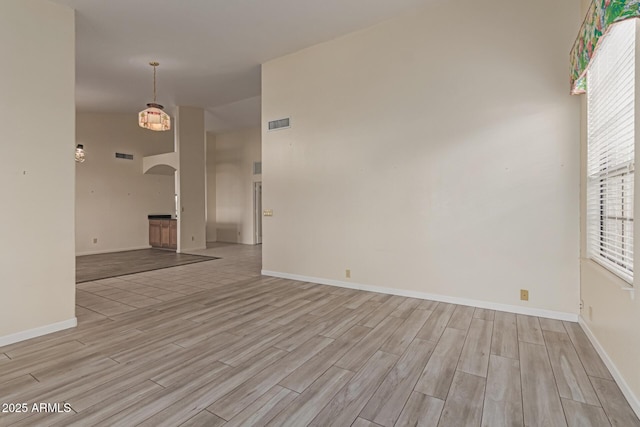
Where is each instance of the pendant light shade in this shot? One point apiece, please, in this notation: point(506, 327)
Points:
point(153, 117)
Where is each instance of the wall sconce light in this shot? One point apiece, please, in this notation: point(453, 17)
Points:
point(80, 153)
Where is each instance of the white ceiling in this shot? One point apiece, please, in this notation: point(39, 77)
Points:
point(209, 51)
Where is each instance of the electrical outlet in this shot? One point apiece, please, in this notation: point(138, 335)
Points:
point(347, 273)
point(524, 295)
point(95, 240)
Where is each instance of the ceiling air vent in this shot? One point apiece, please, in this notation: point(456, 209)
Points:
point(279, 124)
point(124, 156)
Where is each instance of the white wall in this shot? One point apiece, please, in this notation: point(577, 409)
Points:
point(190, 145)
point(37, 106)
point(434, 153)
point(610, 315)
point(212, 234)
point(113, 196)
point(235, 154)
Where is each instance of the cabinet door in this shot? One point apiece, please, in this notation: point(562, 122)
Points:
point(173, 234)
point(154, 233)
point(164, 234)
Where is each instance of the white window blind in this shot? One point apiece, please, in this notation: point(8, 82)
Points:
point(610, 160)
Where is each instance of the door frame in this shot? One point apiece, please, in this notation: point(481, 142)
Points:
point(257, 212)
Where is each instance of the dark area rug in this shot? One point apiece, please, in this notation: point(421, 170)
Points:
point(103, 266)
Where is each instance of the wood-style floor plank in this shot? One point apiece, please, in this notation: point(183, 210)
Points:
point(406, 308)
point(428, 305)
point(583, 415)
point(504, 341)
point(463, 406)
point(551, 325)
point(19, 383)
point(614, 404)
point(45, 419)
point(308, 372)
point(437, 322)
point(111, 406)
point(370, 344)
point(170, 407)
point(204, 419)
point(120, 385)
point(299, 337)
point(345, 318)
point(571, 378)
point(439, 371)
point(484, 314)
point(382, 312)
point(420, 410)
point(74, 388)
point(541, 401)
point(357, 300)
point(503, 397)
point(343, 409)
point(461, 317)
point(263, 410)
point(474, 358)
point(588, 355)
point(361, 422)
point(252, 388)
point(529, 329)
point(385, 405)
point(405, 334)
point(307, 406)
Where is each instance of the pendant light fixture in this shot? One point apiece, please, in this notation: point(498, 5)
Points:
point(80, 153)
point(153, 117)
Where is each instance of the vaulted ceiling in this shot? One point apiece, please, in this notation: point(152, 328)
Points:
point(209, 51)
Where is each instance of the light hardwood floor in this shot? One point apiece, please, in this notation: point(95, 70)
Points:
point(214, 344)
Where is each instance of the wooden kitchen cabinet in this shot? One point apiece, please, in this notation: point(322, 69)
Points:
point(163, 233)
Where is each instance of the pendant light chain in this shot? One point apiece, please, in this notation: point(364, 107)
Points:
point(154, 64)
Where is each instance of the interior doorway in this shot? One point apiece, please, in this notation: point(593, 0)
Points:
point(257, 212)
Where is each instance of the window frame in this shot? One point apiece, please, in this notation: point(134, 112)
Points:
point(609, 208)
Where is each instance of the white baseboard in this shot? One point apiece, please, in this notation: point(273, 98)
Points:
point(559, 315)
point(633, 400)
point(39, 331)
point(109, 251)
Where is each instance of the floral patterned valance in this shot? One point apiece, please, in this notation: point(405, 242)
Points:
point(602, 14)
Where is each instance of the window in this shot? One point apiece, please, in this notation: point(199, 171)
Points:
point(610, 147)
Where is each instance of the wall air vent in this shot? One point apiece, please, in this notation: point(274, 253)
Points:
point(279, 124)
point(257, 168)
point(124, 156)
